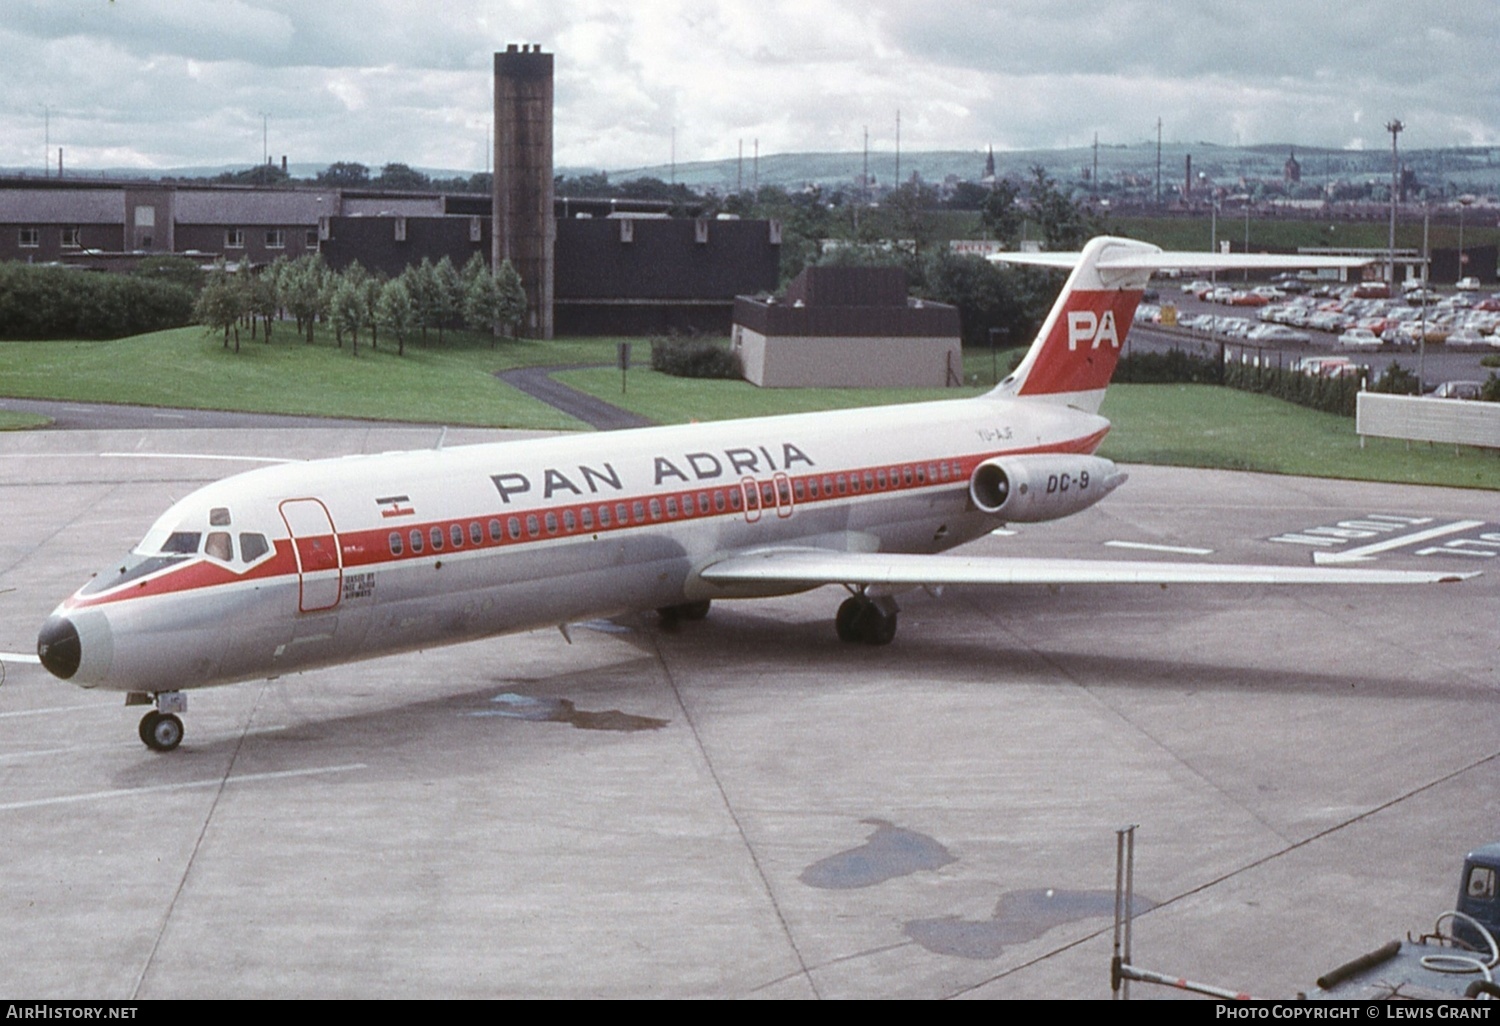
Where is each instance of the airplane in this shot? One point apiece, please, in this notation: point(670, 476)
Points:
point(310, 564)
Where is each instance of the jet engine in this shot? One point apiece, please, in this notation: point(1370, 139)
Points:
point(1027, 489)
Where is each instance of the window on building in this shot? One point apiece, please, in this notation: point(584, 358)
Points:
point(70, 239)
point(234, 238)
point(29, 238)
point(275, 238)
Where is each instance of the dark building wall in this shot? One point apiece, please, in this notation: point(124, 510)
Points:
point(523, 218)
point(663, 259)
point(374, 243)
point(930, 320)
point(1479, 262)
point(258, 242)
point(49, 240)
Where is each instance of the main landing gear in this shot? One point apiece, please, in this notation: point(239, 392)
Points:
point(160, 729)
point(865, 620)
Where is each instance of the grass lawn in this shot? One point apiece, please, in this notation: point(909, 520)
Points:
point(1209, 426)
point(14, 420)
point(1184, 425)
point(187, 367)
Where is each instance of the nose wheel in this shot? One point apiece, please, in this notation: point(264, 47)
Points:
point(161, 729)
point(162, 732)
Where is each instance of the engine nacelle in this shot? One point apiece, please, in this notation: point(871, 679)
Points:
point(1027, 489)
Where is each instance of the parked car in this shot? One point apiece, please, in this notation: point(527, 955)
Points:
point(1458, 390)
point(1279, 333)
point(1467, 285)
point(1329, 367)
point(1359, 338)
point(1467, 337)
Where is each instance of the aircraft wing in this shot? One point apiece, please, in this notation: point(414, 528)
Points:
point(818, 566)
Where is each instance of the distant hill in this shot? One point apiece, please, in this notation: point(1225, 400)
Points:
point(1473, 169)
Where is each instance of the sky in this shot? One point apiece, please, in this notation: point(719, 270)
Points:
point(155, 84)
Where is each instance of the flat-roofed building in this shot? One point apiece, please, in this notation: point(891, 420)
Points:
point(848, 327)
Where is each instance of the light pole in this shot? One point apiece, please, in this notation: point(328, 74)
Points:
point(1463, 205)
point(1394, 127)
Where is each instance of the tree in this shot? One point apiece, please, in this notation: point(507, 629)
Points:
point(450, 294)
point(401, 176)
point(422, 286)
point(1064, 224)
point(302, 291)
point(344, 174)
point(221, 304)
point(347, 309)
point(483, 304)
point(512, 297)
point(396, 311)
point(1000, 214)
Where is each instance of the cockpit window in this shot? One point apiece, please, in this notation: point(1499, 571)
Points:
point(253, 546)
point(218, 517)
point(185, 542)
point(219, 546)
point(135, 568)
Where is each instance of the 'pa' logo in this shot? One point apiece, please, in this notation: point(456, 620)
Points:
point(1086, 326)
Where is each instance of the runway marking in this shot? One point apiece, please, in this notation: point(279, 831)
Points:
point(1366, 552)
point(1457, 547)
point(194, 456)
point(127, 792)
point(48, 712)
point(1181, 549)
point(1002, 532)
point(1371, 526)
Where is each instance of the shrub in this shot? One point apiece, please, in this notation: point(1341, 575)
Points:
point(57, 302)
point(694, 358)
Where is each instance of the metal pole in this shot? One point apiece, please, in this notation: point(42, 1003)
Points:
point(1394, 127)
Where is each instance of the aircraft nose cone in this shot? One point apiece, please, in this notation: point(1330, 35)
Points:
point(58, 648)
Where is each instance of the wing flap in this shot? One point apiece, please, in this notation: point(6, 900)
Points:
point(815, 566)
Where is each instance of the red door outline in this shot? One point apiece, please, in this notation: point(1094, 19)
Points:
point(316, 542)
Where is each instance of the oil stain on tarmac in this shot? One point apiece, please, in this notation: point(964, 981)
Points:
point(1019, 916)
point(561, 710)
point(889, 852)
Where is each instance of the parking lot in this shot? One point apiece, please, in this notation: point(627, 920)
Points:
point(1281, 331)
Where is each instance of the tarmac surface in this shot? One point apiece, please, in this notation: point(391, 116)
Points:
point(744, 807)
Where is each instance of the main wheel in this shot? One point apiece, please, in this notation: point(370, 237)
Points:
point(879, 627)
point(162, 732)
point(847, 621)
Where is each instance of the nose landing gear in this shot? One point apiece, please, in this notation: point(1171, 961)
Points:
point(161, 729)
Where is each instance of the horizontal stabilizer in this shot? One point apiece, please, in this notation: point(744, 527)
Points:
point(1163, 260)
point(794, 566)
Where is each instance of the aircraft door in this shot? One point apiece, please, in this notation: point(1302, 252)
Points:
point(751, 490)
point(320, 562)
point(783, 485)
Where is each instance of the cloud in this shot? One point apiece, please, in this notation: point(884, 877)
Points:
point(160, 82)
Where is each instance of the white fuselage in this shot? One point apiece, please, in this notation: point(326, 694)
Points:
point(367, 555)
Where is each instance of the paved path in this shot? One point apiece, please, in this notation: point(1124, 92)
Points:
point(72, 416)
point(538, 383)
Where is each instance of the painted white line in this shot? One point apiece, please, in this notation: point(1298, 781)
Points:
point(1368, 552)
point(1182, 549)
point(194, 456)
point(19, 657)
point(127, 792)
point(1002, 532)
point(54, 709)
point(171, 416)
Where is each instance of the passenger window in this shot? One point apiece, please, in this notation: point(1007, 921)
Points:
point(702, 503)
point(476, 533)
point(253, 546)
point(513, 527)
point(395, 543)
point(570, 523)
point(219, 546)
point(655, 509)
point(622, 514)
point(639, 509)
point(533, 526)
point(551, 523)
point(456, 535)
point(869, 481)
point(185, 542)
point(604, 520)
point(719, 501)
point(218, 517)
point(416, 540)
point(586, 515)
point(436, 536)
point(880, 479)
point(671, 506)
point(495, 531)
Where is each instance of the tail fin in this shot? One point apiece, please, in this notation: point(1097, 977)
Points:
point(1075, 353)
